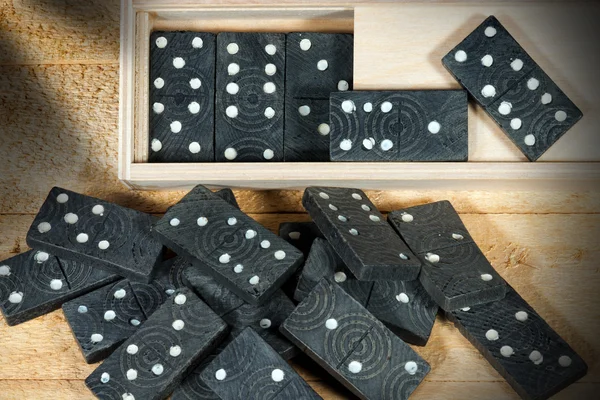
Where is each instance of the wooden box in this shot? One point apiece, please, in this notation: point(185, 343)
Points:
point(398, 45)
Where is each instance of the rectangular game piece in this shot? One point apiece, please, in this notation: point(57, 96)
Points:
point(353, 346)
point(534, 113)
point(364, 126)
point(512, 88)
point(403, 306)
point(433, 125)
point(407, 125)
point(250, 90)
point(35, 283)
point(166, 348)
point(455, 272)
point(81, 228)
point(359, 234)
point(317, 64)
point(226, 244)
point(307, 130)
point(150, 296)
point(265, 319)
point(323, 262)
point(488, 62)
point(101, 320)
point(430, 226)
point(300, 234)
point(193, 387)
point(228, 195)
point(520, 345)
point(248, 368)
point(182, 93)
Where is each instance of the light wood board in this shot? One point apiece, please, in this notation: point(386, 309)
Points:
point(397, 46)
point(58, 106)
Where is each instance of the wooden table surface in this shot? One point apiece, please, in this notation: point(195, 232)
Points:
point(58, 126)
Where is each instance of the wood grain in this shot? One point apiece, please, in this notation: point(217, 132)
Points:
point(76, 390)
point(552, 36)
point(59, 32)
point(59, 83)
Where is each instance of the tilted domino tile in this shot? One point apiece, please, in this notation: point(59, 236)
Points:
point(488, 62)
point(359, 234)
point(512, 88)
point(433, 125)
point(182, 89)
point(228, 245)
point(225, 194)
point(534, 113)
point(193, 387)
point(460, 276)
point(301, 236)
point(101, 320)
point(35, 283)
point(323, 261)
point(228, 195)
point(220, 299)
point(166, 348)
point(455, 274)
point(248, 368)
point(317, 64)
point(353, 346)
point(82, 228)
point(430, 226)
point(249, 96)
point(185, 325)
point(403, 306)
point(520, 345)
point(265, 319)
point(150, 296)
point(364, 126)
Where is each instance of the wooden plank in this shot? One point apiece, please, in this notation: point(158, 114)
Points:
point(126, 91)
point(59, 31)
point(45, 389)
point(550, 259)
point(417, 36)
point(191, 4)
point(29, 195)
point(76, 390)
point(369, 175)
point(204, 4)
point(227, 20)
point(143, 28)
